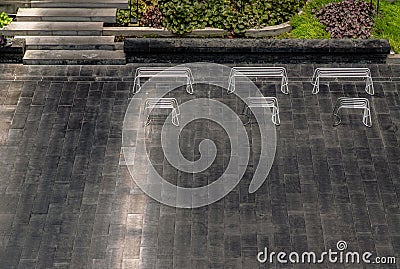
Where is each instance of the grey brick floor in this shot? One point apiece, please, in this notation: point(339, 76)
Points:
point(65, 202)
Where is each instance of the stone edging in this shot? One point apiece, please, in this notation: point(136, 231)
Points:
point(393, 59)
point(256, 50)
point(206, 32)
point(243, 45)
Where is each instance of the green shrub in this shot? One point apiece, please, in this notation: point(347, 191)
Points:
point(347, 19)
point(307, 26)
point(4, 19)
point(153, 18)
point(123, 18)
point(144, 6)
point(183, 16)
point(387, 24)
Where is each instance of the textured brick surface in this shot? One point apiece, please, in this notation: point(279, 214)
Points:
point(256, 50)
point(65, 202)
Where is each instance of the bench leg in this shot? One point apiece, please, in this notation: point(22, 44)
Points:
point(336, 118)
point(275, 116)
point(175, 117)
point(367, 117)
point(284, 85)
point(189, 86)
point(369, 88)
point(136, 85)
point(147, 115)
point(316, 86)
point(231, 85)
point(247, 115)
point(189, 89)
point(190, 81)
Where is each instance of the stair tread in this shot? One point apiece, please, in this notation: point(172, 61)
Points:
point(73, 54)
point(67, 40)
point(86, 1)
point(50, 57)
point(72, 26)
point(79, 3)
point(70, 12)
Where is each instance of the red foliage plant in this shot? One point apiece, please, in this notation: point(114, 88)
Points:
point(153, 18)
point(347, 19)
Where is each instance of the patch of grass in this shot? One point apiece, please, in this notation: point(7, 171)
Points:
point(306, 25)
point(387, 24)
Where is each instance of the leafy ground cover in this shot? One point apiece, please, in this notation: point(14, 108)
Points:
point(387, 24)
point(347, 19)
point(318, 19)
point(183, 16)
point(328, 18)
point(4, 19)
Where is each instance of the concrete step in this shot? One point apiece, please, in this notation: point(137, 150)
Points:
point(67, 14)
point(122, 4)
point(61, 57)
point(53, 28)
point(69, 42)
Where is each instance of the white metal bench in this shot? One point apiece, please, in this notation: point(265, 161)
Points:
point(258, 72)
point(162, 103)
point(348, 102)
point(165, 72)
point(263, 102)
point(343, 73)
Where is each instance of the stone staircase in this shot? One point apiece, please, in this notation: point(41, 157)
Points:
point(106, 15)
point(68, 32)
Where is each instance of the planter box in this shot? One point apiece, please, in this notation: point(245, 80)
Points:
point(206, 32)
point(153, 32)
point(269, 30)
point(13, 53)
point(256, 50)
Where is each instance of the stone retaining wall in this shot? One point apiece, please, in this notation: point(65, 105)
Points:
point(256, 50)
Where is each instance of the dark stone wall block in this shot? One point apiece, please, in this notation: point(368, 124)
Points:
point(256, 50)
point(13, 53)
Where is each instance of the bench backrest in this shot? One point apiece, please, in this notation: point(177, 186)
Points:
point(162, 71)
point(161, 103)
point(342, 72)
point(258, 71)
point(261, 101)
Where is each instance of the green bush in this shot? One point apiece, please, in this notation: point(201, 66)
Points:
point(347, 19)
point(153, 18)
point(123, 18)
point(4, 19)
point(387, 24)
point(306, 25)
point(183, 16)
point(144, 6)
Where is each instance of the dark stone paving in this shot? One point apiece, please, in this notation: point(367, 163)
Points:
point(65, 202)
